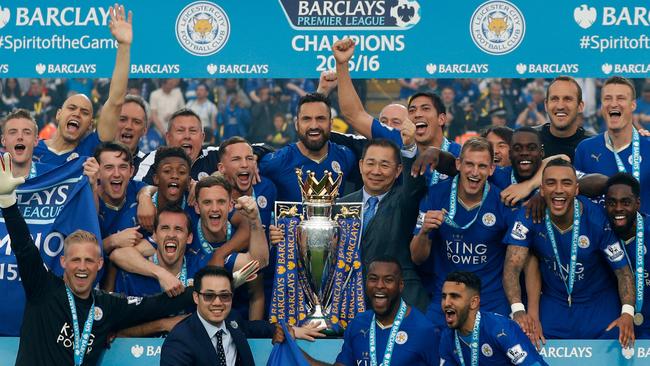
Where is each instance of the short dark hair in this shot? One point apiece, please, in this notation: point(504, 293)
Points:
point(19, 113)
point(559, 162)
point(165, 152)
point(625, 179)
point(113, 146)
point(470, 280)
point(529, 129)
point(172, 208)
point(477, 144)
point(397, 155)
point(314, 98)
point(184, 112)
point(387, 258)
point(216, 179)
point(231, 141)
point(132, 98)
point(505, 133)
point(435, 100)
point(213, 271)
point(621, 81)
point(567, 79)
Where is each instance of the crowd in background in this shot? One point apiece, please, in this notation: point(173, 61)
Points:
point(262, 110)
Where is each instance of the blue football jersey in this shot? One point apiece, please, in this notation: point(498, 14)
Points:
point(454, 149)
point(281, 165)
point(501, 342)
point(593, 156)
point(412, 346)
point(86, 148)
point(478, 249)
point(111, 221)
point(599, 252)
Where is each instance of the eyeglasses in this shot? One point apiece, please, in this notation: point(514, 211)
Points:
point(211, 296)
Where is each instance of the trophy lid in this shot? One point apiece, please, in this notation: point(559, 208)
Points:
point(326, 190)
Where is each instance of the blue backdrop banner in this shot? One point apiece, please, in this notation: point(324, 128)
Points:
point(293, 38)
point(146, 352)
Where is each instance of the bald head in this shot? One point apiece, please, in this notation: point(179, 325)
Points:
point(393, 115)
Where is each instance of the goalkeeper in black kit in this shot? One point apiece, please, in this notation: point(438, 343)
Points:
point(66, 321)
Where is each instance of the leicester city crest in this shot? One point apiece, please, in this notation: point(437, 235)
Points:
point(202, 28)
point(497, 27)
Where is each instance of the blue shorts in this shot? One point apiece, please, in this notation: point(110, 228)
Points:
point(580, 321)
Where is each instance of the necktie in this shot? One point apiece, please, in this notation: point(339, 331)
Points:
point(370, 211)
point(221, 354)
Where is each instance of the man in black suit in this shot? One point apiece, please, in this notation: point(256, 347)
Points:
point(212, 335)
point(389, 212)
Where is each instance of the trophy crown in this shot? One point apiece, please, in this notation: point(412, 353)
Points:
point(327, 189)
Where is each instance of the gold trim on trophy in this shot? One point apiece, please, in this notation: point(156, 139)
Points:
point(313, 190)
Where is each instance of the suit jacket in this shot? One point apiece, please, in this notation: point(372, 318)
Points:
point(188, 343)
point(391, 229)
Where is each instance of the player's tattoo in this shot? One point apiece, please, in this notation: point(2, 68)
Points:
point(625, 285)
point(514, 263)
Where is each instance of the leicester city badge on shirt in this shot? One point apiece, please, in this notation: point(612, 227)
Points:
point(583, 242)
point(489, 219)
point(486, 349)
point(262, 202)
point(401, 337)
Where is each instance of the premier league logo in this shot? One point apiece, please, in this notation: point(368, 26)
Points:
point(497, 27)
point(202, 28)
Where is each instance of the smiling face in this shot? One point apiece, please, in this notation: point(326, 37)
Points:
point(131, 126)
point(384, 286)
point(237, 164)
point(562, 105)
point(114, 175)
point(617, 107)
point(19, 139)
point(213, 205)
point(457, 301)
point(217, 310)
point(622, 206)
point(81, 262)
point(474, 166)
point(186, 132)
point(501, 149)
point(526, 154)
point(559, 188)
point(74, 118)
point(313, 125)
point(172, 235)
point(428, 122)
point(379, 170)
point(172, 178)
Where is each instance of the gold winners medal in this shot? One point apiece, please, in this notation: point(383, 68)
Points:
point(638, 319)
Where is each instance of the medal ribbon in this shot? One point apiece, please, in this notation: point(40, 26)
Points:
point(154, 198)
point(435, 176)
point(513, 180)
point(574, 246)
point(640, 265)
point(449, 217)
point(207, 248)
point(636, 156)
point(388, 354)
point(182, 276)
point(32, 171)
point(473, 346)
point(80, 343)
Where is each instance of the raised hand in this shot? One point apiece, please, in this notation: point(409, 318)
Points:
point(343, 50)
point(246, 274)
point(327, 82)
point(247, 206)
point(8, 183)
point(120, 25)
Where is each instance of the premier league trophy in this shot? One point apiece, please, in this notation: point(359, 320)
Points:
point(318, 271)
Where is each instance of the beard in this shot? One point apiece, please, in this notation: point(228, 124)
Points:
point(314, 145)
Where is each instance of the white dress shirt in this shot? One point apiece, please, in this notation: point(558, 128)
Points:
point(228, 344)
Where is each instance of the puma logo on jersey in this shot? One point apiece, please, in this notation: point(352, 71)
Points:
point(596, 157)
